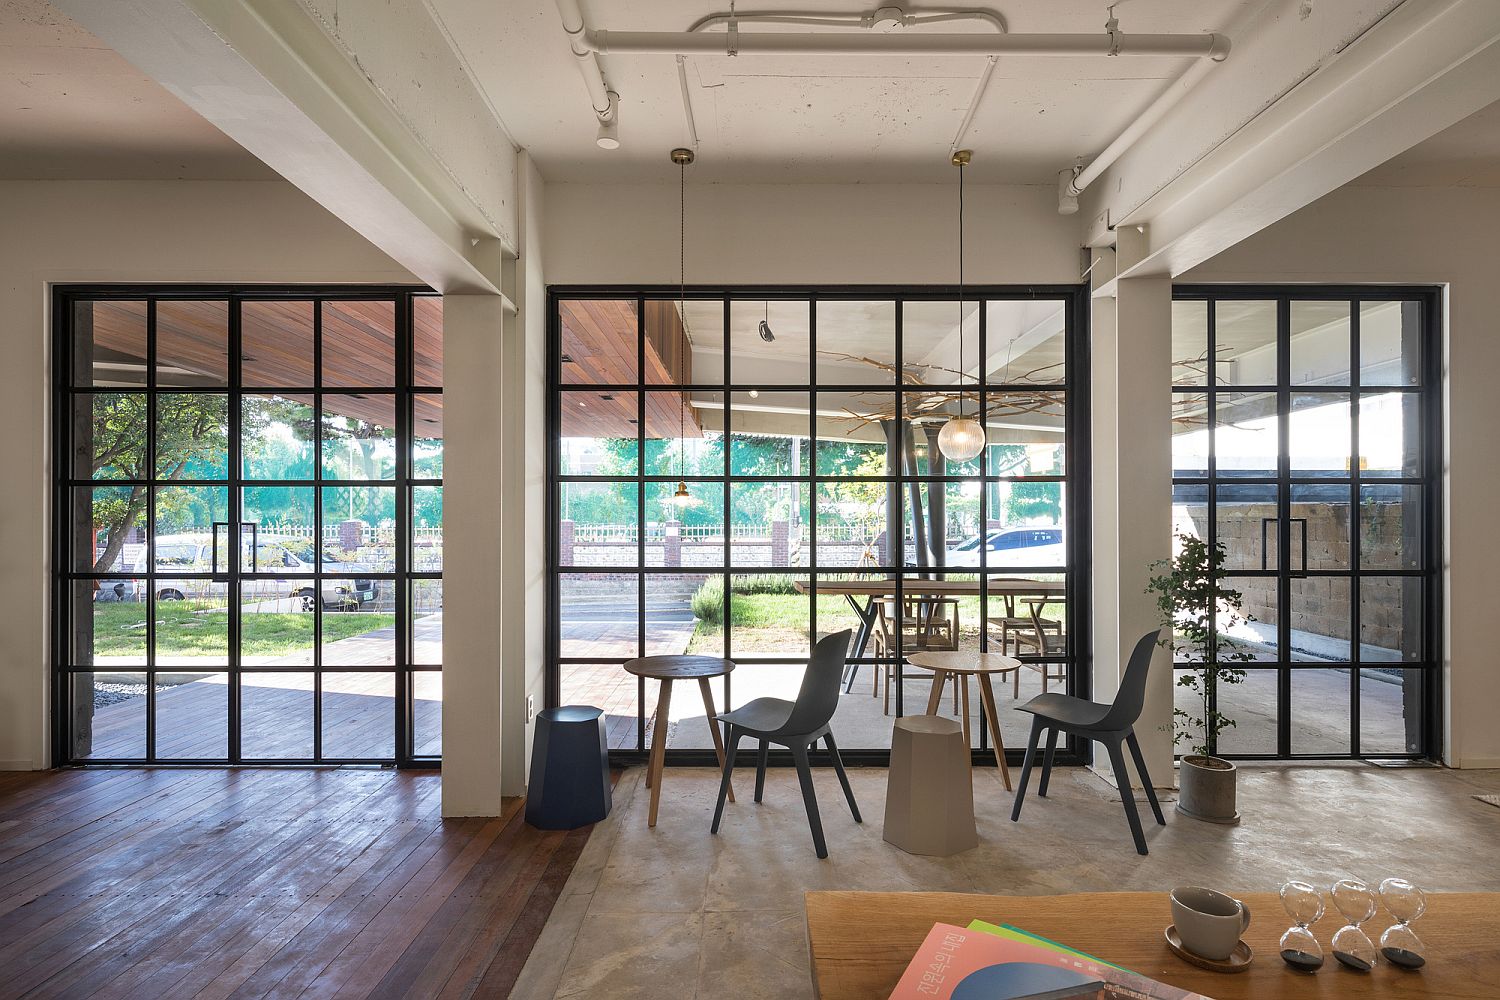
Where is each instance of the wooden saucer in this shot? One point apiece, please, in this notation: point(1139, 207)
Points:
point(1238, 960)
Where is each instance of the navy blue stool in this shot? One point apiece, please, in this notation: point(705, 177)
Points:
point(569, 769)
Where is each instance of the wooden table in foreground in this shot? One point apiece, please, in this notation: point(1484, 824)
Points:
point(861, 942)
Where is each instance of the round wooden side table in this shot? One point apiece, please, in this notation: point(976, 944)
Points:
point(960, 666)
point(669, 668)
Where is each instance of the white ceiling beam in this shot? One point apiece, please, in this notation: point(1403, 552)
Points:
point(336, 105)
point(1423, 67)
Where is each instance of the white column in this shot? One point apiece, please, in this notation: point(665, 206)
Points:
point(1132, 477)
point(474, 586)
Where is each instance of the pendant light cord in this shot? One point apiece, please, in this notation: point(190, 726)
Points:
point(960, 281)
point(682, 315)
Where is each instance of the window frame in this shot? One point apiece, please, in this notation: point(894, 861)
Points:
point(1076, 477)
point(402, 578)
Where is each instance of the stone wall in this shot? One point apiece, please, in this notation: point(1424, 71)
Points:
point(1390, 607)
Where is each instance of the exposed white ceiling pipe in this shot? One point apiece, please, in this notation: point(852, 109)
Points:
point(893, 17)
point(1212, 45)
point(1072, 181)
point(606, 103)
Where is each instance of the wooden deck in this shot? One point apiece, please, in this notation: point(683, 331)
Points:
point(276, 718)
point(175, 883)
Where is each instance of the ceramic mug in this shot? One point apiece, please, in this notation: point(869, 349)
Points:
point(1209, 923)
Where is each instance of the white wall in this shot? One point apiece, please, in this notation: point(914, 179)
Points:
point(524, 491)
point(806, 234)
point(1424, 236)
point(108, 231)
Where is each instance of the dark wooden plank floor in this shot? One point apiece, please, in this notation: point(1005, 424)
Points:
point(157, 882)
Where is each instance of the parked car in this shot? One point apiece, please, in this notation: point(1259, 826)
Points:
point(1013, 547)
point(193, 553)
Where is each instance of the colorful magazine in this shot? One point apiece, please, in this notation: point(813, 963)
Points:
point(968, 963)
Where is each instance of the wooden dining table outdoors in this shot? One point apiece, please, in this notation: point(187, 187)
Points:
point(872, 591)
point(666, 669)
point(959, 667)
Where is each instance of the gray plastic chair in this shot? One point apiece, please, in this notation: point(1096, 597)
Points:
point(1109, 725)
point(797, 726)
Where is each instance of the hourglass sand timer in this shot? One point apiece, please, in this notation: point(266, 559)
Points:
point(1299, 946)
point(1356, 902)
point(1400, 944)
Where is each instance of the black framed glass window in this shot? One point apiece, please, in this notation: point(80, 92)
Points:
point(803, 423)
point(248, 527)
point(1307, 441)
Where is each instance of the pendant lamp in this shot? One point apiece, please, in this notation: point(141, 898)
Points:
point(682, 157)
point(961, 437)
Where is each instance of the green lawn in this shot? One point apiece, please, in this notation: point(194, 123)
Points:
point(200, 629)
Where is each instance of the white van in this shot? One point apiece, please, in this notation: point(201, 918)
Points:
point(193, 553)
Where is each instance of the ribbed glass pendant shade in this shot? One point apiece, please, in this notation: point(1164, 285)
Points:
point(961, 439)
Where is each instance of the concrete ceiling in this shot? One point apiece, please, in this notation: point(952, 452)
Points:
point(1462, 155)
point(72, 109)
point(835, 119)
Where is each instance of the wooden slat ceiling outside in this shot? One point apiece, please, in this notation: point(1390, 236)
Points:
point(192, 349)
point(600, 337)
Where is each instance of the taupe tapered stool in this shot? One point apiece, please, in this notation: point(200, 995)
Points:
point(929, 798)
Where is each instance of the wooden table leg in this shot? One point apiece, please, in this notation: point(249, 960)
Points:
point(935, 700)
point(658, 747)
point(962, 680)
point(987, 696)
point(713, 726)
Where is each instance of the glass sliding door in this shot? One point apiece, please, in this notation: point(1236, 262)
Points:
point(248, 525)
point(1306, 443)
point(803, 425)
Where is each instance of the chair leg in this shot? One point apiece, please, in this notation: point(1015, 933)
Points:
point(810, 799)
point(1036, 736)
point(1140, 766)
point(731, 747)
point(1127, 796)
point(760, 769)
point(838, 766)
point(1041, 788)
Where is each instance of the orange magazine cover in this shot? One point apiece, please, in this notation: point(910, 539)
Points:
point(955, 963)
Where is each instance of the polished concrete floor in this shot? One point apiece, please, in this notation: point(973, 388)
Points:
point(676, 911)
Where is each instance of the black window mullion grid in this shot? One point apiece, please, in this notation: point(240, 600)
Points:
point(317, 582)
point(1428, 303)
point(640, 507)
point(1283, 523)
point(982, 379)
point(812, 481)
point(1356, 581)
point(897, 545)
point(1210, 741)
point(727, 492)
point(234, 513)
point(66, 576)
point(150, 575)
point(401, 597)
point(896, 563)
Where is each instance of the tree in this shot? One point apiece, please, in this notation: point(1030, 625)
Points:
point(1196, 612)
point(191, 437)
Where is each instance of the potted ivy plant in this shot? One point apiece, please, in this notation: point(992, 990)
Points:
point(1197, 612)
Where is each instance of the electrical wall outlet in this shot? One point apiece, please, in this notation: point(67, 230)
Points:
point(530, 708)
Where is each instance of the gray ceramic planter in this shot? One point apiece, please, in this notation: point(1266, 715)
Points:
point(1206, 789)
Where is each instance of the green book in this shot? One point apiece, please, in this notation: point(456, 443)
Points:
point(1026, 937)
